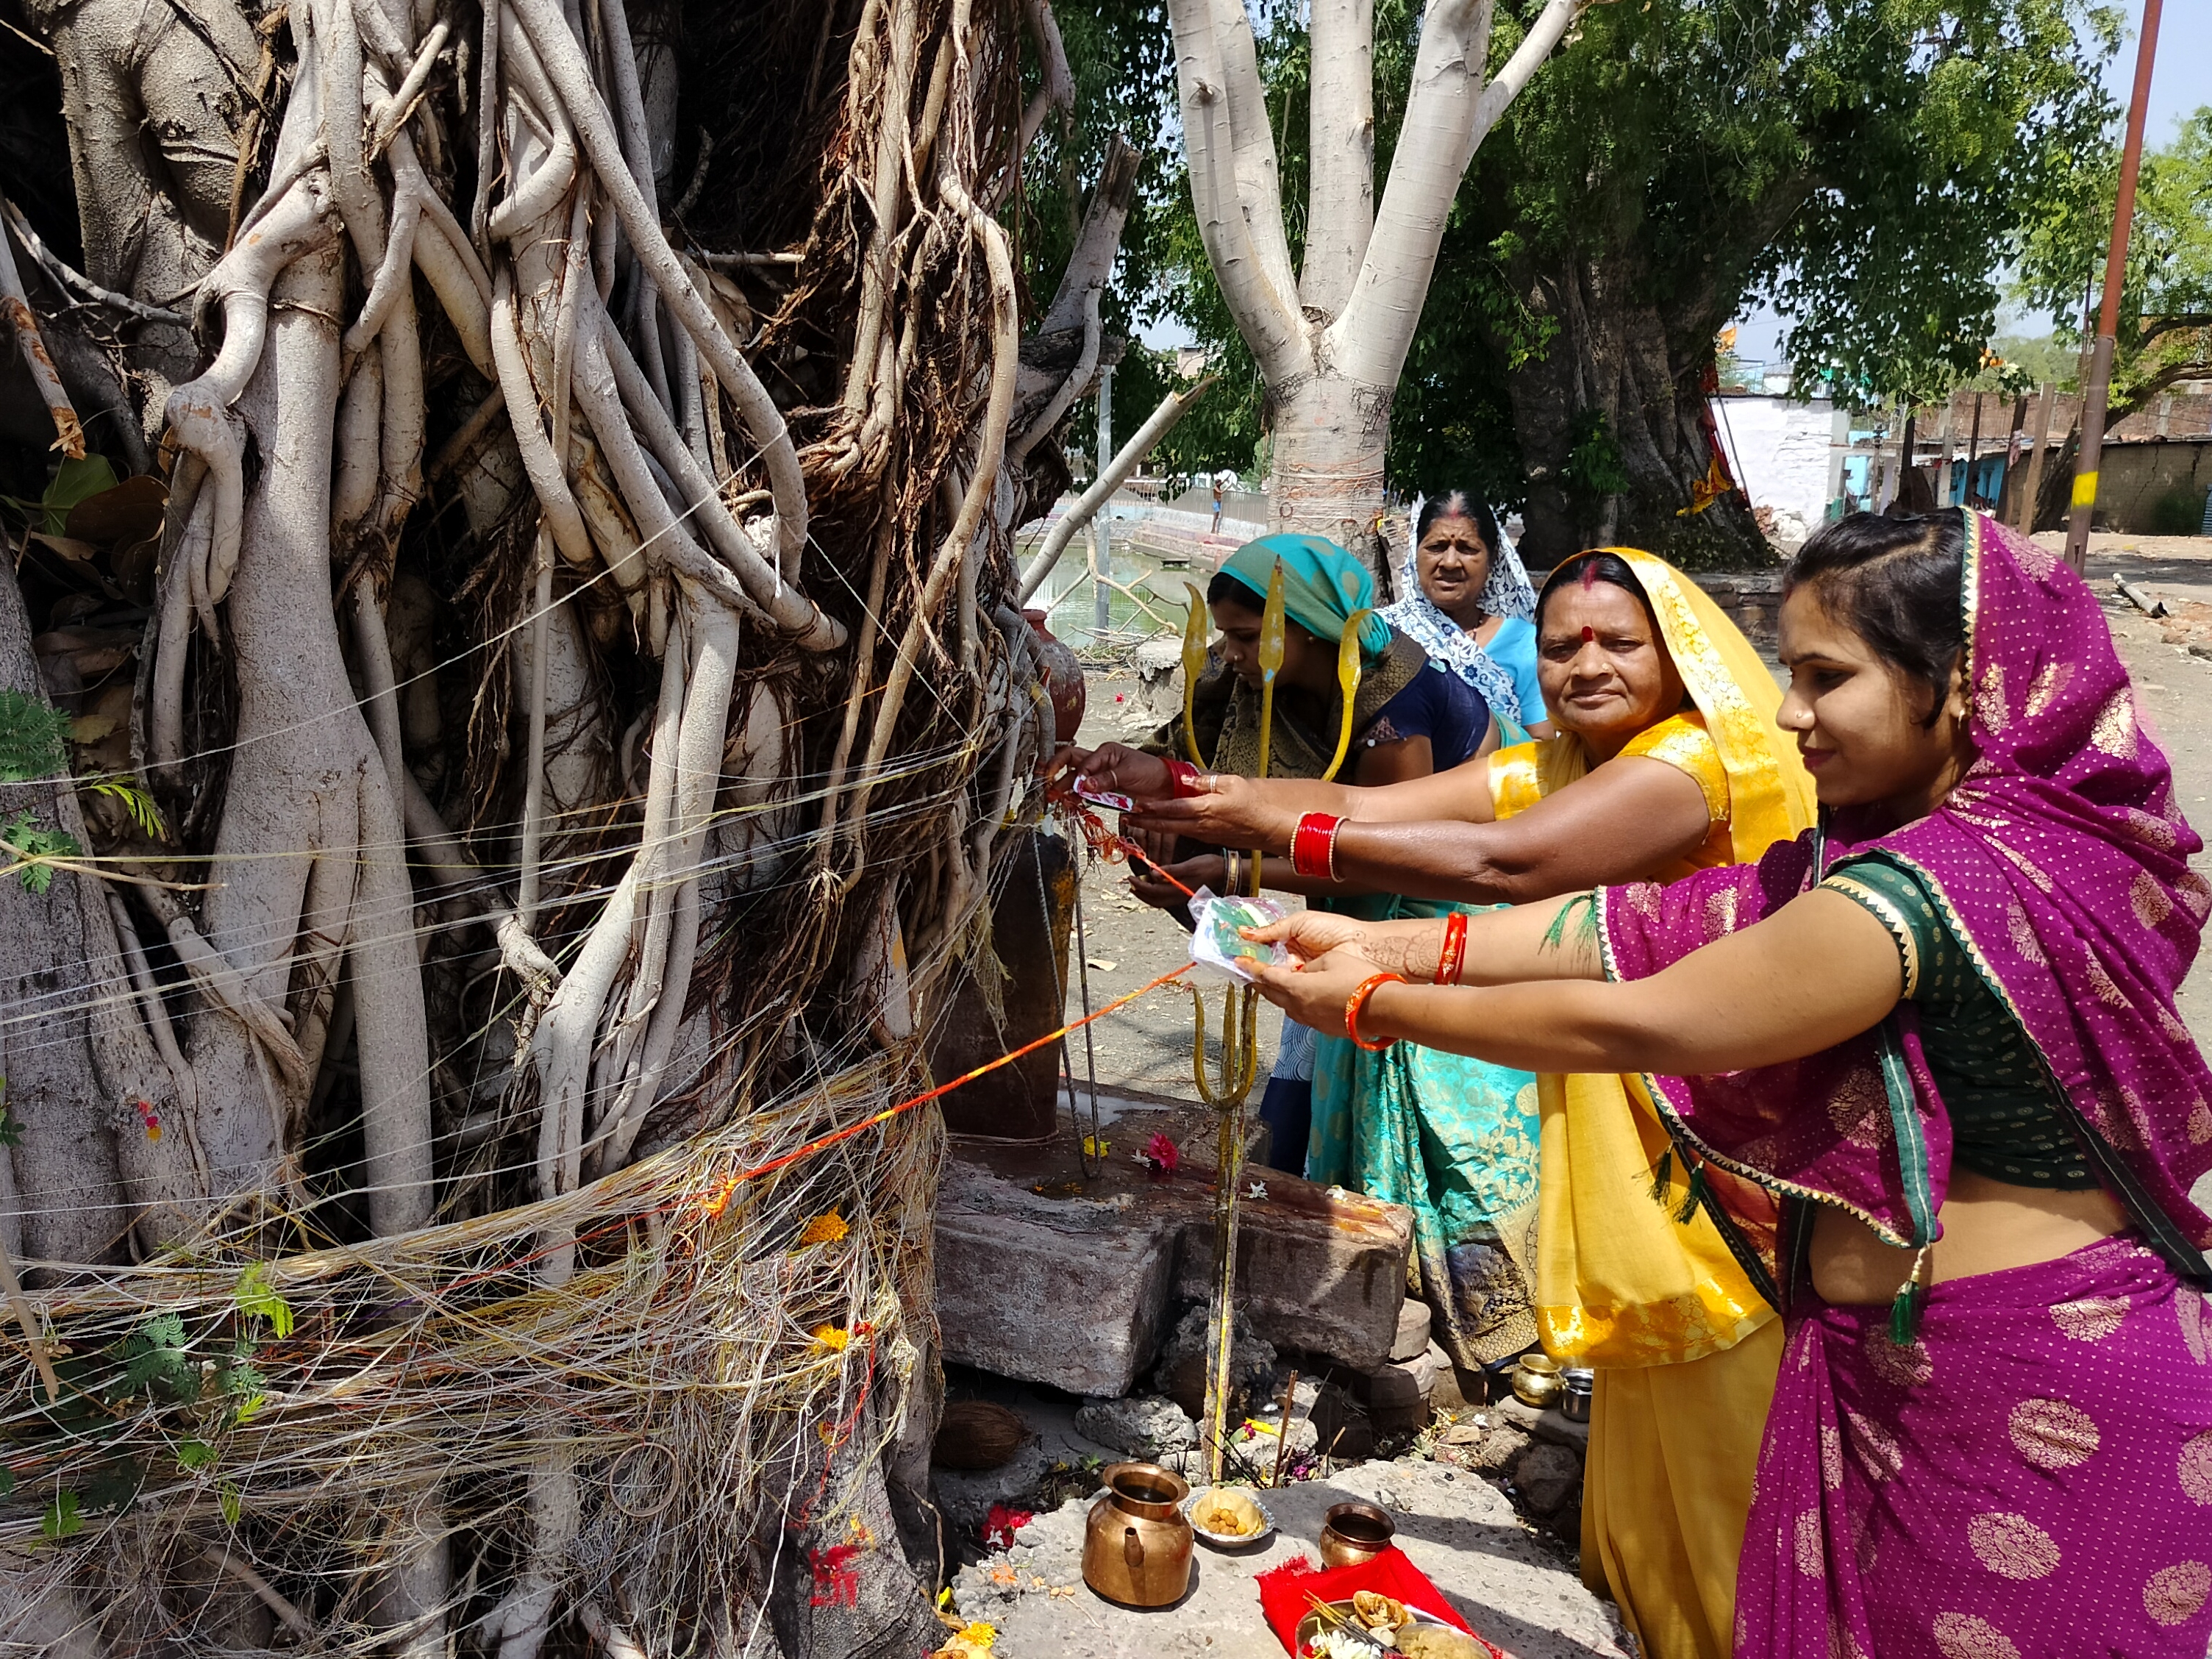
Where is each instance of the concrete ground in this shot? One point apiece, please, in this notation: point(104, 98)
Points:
point(1455, 1526)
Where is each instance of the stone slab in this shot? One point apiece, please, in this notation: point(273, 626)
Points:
point(1508, 1585)
point(1047, 1271)
point(1547, 1425)
point(1413, 1322)
point(1319, 1270)
point(1068, 1292)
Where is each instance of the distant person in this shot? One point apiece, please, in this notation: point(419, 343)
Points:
point(1469, 603)
point(1224, 481)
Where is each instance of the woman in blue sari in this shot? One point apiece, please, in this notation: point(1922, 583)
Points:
point(1469, 603)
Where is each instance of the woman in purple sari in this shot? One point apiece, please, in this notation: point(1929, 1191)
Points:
point(1942, 1027)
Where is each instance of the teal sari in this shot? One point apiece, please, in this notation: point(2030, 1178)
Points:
point(1455, 1140)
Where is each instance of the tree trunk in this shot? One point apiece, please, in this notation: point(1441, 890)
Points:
point(1331, 339)
point(1330, 433)
point(1610, 422)
point(74, 1066)
point(529, 922)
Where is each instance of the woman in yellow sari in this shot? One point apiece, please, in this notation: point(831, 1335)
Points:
point(1667, 759)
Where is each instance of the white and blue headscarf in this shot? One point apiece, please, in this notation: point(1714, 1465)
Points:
point(1507, 592)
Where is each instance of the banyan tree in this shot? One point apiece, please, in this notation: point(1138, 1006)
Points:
point(513, 707)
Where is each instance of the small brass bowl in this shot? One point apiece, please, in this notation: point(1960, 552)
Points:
point(1536, 1381)
point(1353, 1533)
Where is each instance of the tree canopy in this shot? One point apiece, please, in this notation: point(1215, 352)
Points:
point(2166, 304)
point(1869, 166)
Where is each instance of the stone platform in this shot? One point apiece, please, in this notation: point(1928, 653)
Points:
point(1051, 1275)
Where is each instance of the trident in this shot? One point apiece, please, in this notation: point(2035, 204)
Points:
point(1240, 1008)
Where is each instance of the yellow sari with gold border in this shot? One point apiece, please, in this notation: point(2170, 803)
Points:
point(1666, 1308)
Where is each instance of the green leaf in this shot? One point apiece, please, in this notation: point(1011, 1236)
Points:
point(7, 1481)
point(74, 482)
point(21, 839)
point(33, 738)
point(11, 1127)
point(232, 1502)
point(61, 1519)
point(257, 1300)
point(155, 1354)
point(195, 1454)
point(243, 1383)
point(239, 1379)
point(136, 801)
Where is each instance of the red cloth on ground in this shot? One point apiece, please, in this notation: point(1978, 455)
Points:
point(1284, 1589)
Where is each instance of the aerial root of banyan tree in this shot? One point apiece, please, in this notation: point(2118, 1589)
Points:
point(581, 692)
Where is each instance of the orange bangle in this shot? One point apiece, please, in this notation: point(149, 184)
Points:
point(1452, 956)
point(1357, 1000)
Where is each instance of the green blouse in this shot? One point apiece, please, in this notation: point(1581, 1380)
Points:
point(2008, 1121)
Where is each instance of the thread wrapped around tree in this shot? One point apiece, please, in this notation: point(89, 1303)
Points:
point(579, 716)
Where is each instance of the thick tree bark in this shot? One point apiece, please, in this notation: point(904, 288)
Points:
point(1619, 392)
point(617, 668)
point(1623, 377)
point(76, 1060)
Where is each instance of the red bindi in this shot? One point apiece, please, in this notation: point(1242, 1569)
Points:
point(1588, 634)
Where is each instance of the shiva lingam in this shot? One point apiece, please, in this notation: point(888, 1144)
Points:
point(1240, 1009)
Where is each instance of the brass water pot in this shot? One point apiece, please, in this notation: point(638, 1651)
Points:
point(1536, 1380)
point(1137, 1545)
point(1353, 1533)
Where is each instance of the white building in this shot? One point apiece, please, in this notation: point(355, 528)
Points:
point(1784, 453)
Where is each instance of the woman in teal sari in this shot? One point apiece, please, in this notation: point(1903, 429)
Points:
point(1454, 1139)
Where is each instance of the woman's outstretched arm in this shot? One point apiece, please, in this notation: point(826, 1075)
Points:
point(1555, 939)
point(1820, 970)
point(1631, 818)
point(1434, 838)
point(1238, 812)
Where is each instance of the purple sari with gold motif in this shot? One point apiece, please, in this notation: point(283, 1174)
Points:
point(2030, 1472)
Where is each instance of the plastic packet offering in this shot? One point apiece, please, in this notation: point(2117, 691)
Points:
point(1085, 790)
point(1217, 950)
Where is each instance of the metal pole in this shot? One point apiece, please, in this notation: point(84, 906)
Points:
point(1839, 448)
point(2098, 392)
point(1943, 464)
point(1102, 535)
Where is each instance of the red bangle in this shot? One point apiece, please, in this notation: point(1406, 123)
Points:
point(1184, 780)
point(1357, 1000)
point(1312, 846)
point(1453, 955)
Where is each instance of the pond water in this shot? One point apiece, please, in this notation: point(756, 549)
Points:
point(1153, 603)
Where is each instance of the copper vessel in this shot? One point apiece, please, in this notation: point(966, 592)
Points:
point(1353, 1533)
point(1136, 1548)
